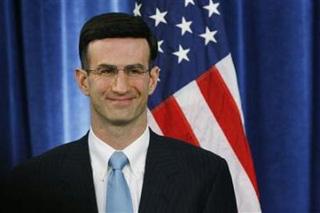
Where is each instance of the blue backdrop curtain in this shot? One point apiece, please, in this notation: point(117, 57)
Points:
point(276, 50)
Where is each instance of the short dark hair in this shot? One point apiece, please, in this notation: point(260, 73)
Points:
point(115, 25)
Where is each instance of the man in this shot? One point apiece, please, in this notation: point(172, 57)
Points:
point(153, 173)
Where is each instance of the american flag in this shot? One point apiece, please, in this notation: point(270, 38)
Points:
point(197, 98)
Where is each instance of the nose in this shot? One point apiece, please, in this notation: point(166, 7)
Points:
point(120, 83)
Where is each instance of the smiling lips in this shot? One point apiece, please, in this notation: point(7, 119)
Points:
point(120, 100)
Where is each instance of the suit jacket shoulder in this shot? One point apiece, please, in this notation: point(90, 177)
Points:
point(180, 177)
point(59, 180)
point(187, 157)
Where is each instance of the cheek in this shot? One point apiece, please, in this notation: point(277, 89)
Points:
point(97, 87)
point(145, 95)
point(144, 88)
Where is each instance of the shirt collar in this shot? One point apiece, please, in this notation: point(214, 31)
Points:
point(100, 153)
point(137, 152)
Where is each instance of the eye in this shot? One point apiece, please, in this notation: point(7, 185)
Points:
point(107, 70)
point(134, 70)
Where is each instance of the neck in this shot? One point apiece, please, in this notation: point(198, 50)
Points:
point(119, 136)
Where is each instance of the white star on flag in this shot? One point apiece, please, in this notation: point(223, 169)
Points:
point(159, 46)
point(136, 10)
point(209, 36)
point(159, 17)
point(212, 8)
point(182, 54)
point(187, 2)
point(184, 26)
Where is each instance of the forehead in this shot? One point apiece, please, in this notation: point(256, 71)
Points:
point(118, 51)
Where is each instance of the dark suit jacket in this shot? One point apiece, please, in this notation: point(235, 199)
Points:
point(178, 178)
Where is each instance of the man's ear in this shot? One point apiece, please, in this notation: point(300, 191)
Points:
point(82, 80)
point(154, 78)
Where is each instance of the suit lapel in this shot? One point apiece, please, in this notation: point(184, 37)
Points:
point(161, 174)
point(77, 177)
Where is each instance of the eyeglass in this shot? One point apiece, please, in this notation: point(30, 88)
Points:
point(110, 71)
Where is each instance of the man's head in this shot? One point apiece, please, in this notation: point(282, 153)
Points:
point(114, 25)
point(116, 50)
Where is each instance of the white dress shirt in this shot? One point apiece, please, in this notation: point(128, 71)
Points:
point(100, 152)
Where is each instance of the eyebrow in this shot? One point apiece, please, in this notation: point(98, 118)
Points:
point(128, 65)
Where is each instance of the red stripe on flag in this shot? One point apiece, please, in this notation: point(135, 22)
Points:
point(226, 112)
point(172, 121)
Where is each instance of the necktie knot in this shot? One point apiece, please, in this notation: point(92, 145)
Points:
point(118, 160)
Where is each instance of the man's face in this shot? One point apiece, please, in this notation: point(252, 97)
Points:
point(119, 99)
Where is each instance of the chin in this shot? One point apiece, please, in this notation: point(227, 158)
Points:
point(125, 119)
point(119, 122)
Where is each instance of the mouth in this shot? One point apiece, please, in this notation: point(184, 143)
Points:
point(121, 101)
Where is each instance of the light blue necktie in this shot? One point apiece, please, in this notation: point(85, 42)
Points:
point(118, 193)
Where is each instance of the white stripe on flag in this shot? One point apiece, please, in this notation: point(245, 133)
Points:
point(212, 138)
point(228, 73)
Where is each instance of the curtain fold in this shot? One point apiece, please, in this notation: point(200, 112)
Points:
point(276, 50)
point(315, 146)
point(15, 146)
